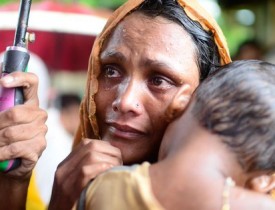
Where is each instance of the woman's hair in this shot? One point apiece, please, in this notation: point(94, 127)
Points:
point(238, 104)
point(206, 50)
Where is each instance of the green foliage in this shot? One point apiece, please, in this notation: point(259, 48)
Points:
point(234, 32)
point(111, 4)
point(4, 2)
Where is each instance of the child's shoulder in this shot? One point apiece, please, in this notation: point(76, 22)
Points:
point(132, 183)
point(136, 168)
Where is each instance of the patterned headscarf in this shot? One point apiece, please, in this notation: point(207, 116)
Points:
point(88, 127)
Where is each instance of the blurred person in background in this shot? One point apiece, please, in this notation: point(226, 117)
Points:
point(249, 49)
point(68, 106)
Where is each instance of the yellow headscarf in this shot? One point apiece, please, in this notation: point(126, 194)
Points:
point(88, 127)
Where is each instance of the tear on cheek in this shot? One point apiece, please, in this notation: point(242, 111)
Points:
point(108, 84)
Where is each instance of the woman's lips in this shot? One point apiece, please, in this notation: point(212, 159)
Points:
point(124, 131)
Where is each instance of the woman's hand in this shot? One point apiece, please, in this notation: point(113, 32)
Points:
point(22, 127)
point(86, 161)
point(22, 135)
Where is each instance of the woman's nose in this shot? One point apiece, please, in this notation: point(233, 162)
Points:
point(129, 98)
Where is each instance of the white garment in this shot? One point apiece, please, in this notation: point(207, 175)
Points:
point(59, 145)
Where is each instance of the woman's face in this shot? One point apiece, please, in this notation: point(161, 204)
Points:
point(144, 63)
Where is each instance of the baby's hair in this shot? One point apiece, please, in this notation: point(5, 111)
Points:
point(238, 104)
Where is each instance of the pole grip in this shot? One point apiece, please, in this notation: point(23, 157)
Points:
point(15, 59)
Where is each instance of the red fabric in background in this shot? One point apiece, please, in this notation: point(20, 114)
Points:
point(60, 51)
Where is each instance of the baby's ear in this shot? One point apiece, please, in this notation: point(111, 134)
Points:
point(179, 103)
point(263, 183)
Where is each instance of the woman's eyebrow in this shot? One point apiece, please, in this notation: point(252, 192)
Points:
point(114, 55)
point(156, 63)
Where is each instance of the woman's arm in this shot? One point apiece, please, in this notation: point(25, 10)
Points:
point(13, 193)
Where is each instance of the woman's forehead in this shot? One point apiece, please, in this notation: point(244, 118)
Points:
point(141, 35)
point(138, 28)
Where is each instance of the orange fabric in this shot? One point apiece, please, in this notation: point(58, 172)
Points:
point(89, 127)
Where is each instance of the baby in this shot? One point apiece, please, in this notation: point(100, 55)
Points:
point(218, 155)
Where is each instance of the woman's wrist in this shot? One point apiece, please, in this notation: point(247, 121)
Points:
point(13, 192)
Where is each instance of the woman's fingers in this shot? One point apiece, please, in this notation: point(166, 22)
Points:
point(88, 152)
point(89, 146)
point(28, 151)
point(87, 160)
point(28, 81)
point(102, 147)
point(21, 122)
point(81, 177)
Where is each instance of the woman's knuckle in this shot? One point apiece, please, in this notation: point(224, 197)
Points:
point(92, 145)
point(13, 114)
point(92, 157)
point(13, 150)
point(104, 166)
point(45, 129)
point(84, 142)
point(9, 133)
point(44, 114)
point(59, 172)
point(33, 77)
point(84, 172)
point(43, 144)
point(42, 129)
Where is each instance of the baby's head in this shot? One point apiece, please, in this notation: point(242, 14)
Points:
point(237, 103)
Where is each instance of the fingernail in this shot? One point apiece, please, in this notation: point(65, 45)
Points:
point(7, 79)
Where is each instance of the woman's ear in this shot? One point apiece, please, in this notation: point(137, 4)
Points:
point(179, 103)
point(263, 183)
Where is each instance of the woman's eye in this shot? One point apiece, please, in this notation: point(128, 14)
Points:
point(157, 81)
point(160, 82)
point(110, 71)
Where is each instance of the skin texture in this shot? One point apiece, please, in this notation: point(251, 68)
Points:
point(199, 163)
point(145, 62)
point(22, 134)
point(190, 175)
point(142, 69)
